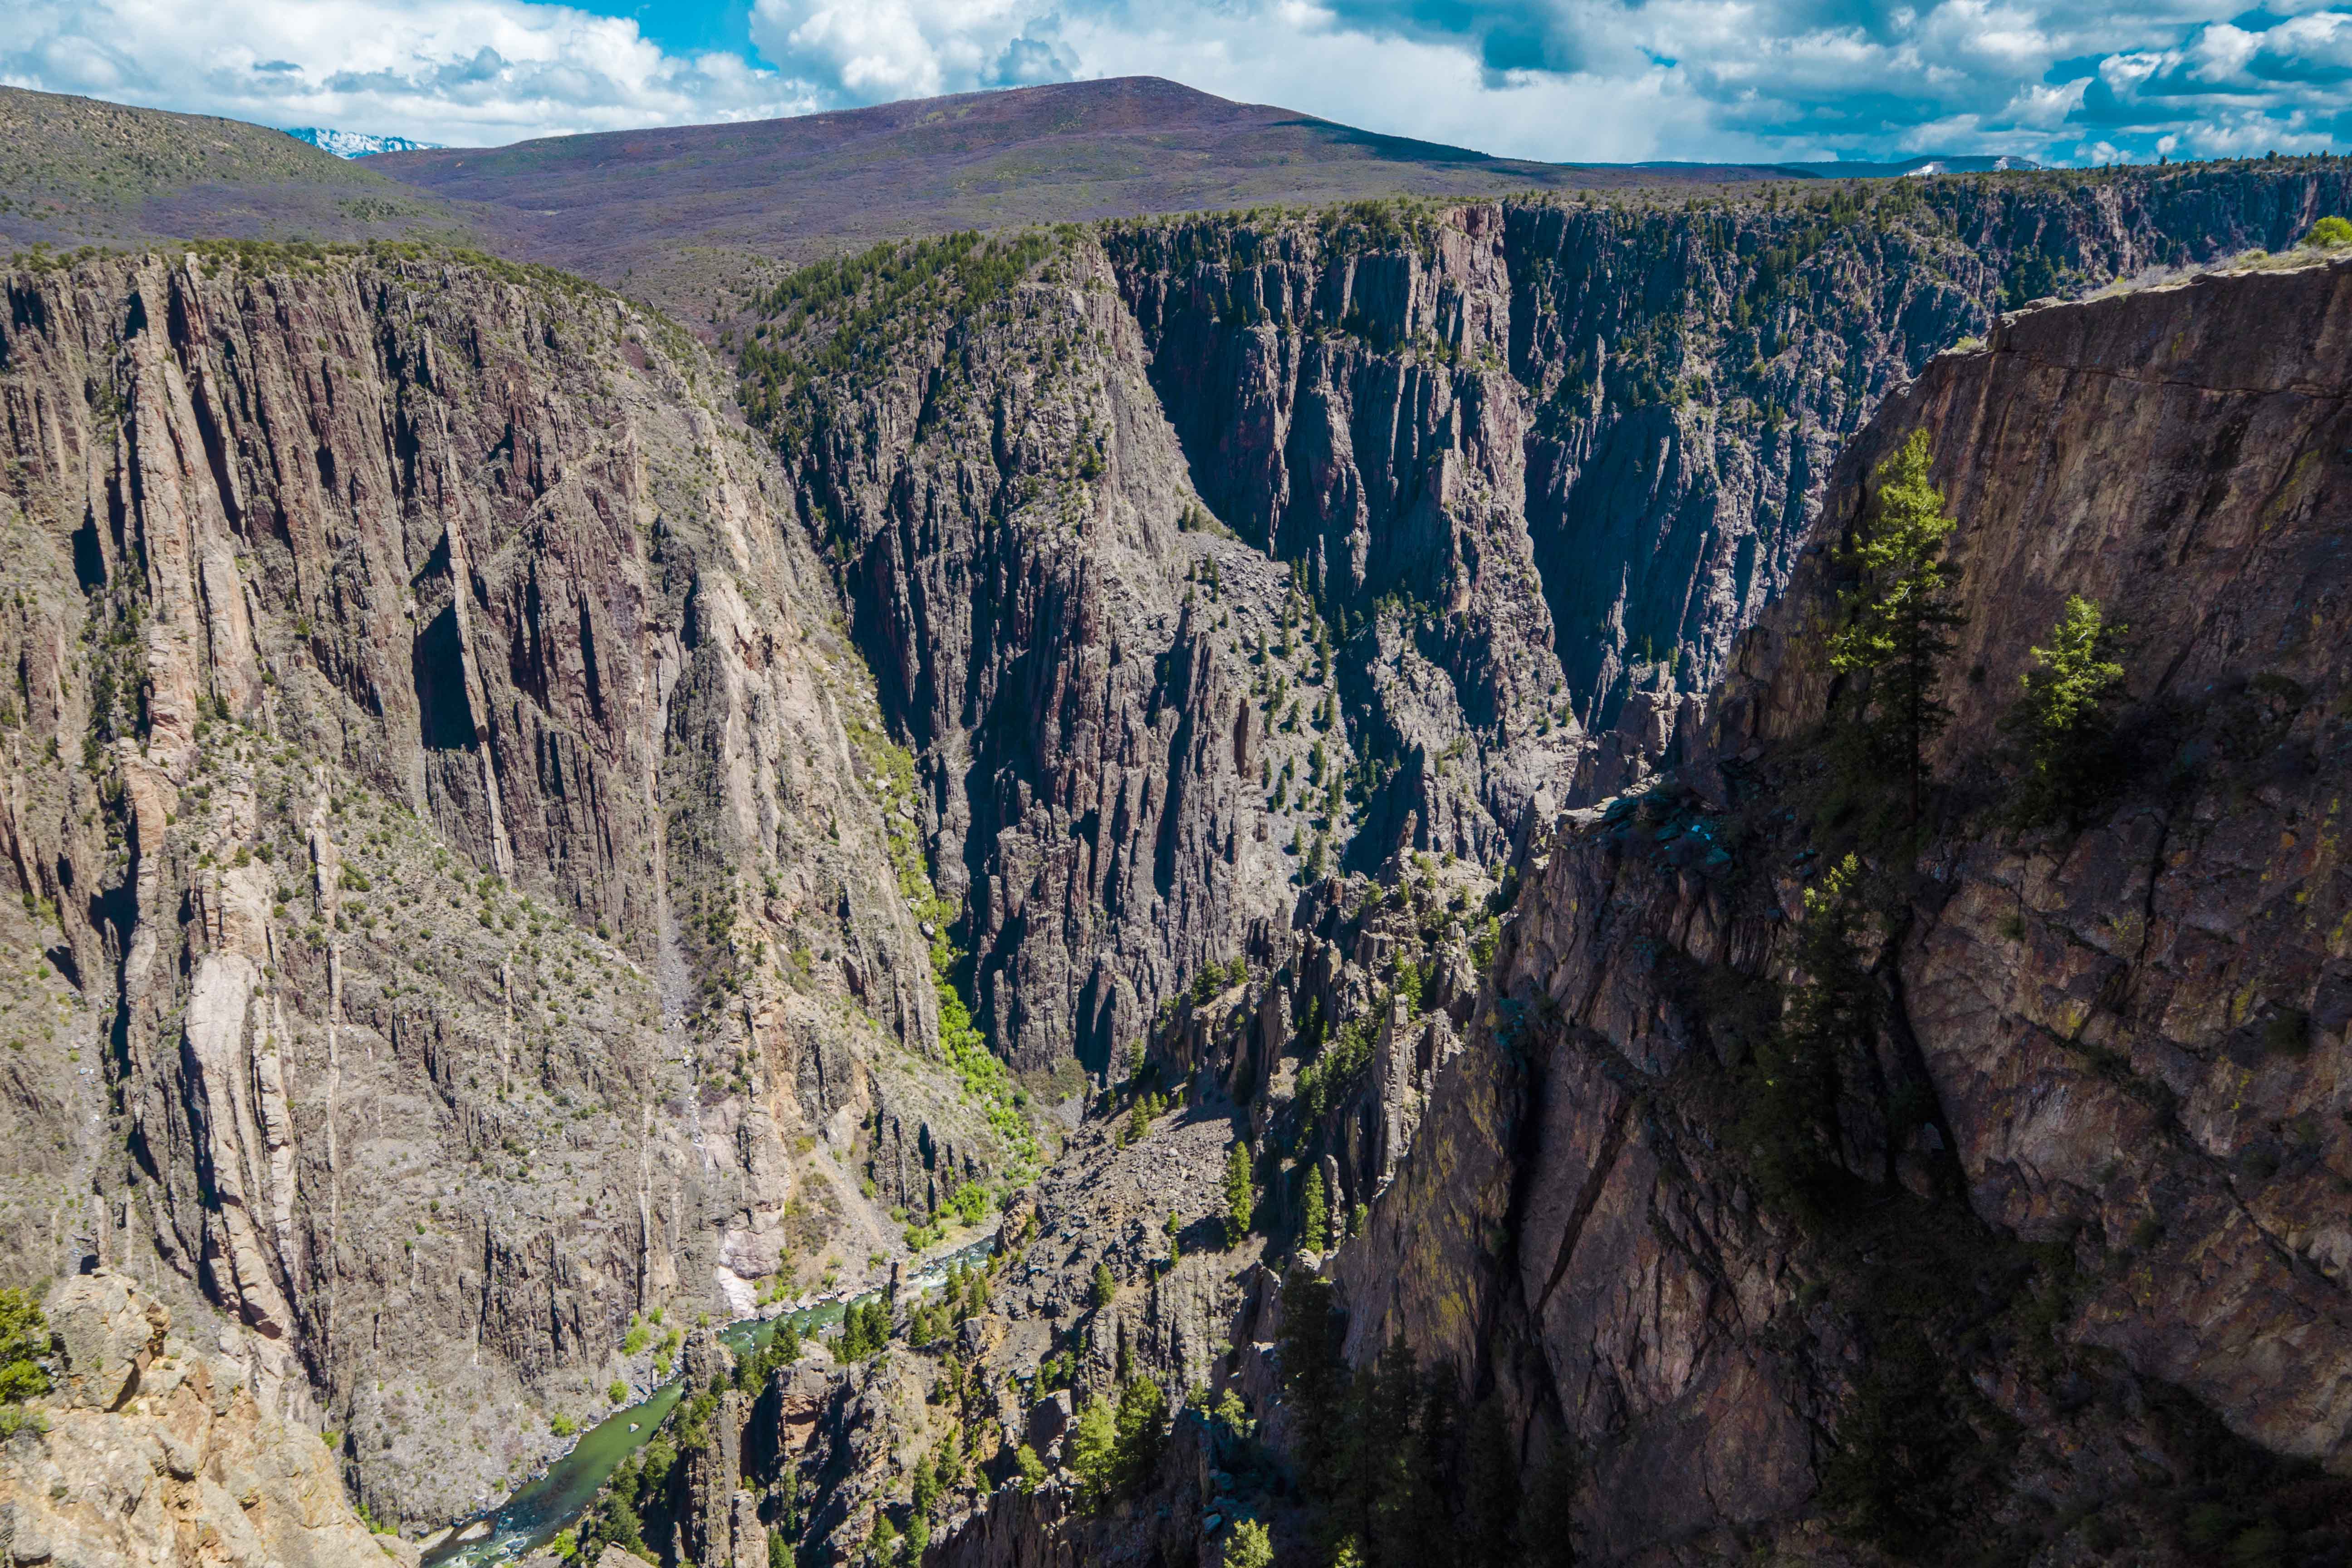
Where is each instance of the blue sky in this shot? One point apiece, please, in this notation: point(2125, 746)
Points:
point(2059, 80)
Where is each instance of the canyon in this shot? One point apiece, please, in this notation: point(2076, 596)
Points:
point(536, 836)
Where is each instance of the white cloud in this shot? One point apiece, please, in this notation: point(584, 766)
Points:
point(460, 71)
point(1570, 80)
point(1296, 57)
point(2044, 107)
point(868, 51)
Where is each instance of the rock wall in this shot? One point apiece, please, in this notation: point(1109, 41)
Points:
point(455, 829)
point(1136, 729)
point(2089, 1154)
point(1527, 469)
point(156, 1451)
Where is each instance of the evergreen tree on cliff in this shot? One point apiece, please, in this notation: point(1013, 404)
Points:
point(1898, 616)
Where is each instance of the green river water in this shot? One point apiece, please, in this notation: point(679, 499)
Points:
point(560, 1495)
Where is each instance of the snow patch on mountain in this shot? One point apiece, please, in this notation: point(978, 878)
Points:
point(355, 143)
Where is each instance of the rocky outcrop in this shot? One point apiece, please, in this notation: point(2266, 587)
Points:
point(1527, 469)
point(1137, 730)
point(2084, 1164)
point(153, 1451)
point(460, 841)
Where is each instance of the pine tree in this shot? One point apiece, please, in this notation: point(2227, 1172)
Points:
point(2063, 722)
point(1313, 1381)
point(1241, 1192)
point(1249, 1546)
point(1315, 1226)
point(1094, 1452)
point(1399, 1504)
point(865, 1330)
point(1547, 1517)
point(1791, 1118)
point(1898, 616)
point(1142, 1426)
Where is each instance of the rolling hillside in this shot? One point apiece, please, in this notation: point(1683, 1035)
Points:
point(691, 209)
point(77, 171)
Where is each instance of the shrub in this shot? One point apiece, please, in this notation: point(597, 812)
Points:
point(2063, 723)
point(1248, 1546)
point(1030, 1467)
point(1483, 945)
point(23, 1349)
point(2329, 232)
point(619, 1393)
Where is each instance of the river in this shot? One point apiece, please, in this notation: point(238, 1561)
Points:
point(558, 1496)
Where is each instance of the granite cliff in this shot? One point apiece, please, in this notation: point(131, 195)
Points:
point(480, 915)
point(1192, 554)
point(2073, 1270)
point(2051, 1270)
point(157, 1451)
point(463, 882)
point(2048, 1271)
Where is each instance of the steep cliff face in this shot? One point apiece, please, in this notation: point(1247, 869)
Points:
point(1137, 731)
point(155, 1450)
point(470, 867)
point(2075, 1236)
point(1099, 504)
point(1528, 468)
point(1680, 375)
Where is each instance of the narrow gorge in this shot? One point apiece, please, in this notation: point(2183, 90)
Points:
point(538, 838)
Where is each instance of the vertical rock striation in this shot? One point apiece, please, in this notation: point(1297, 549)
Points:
point(1529, 467)
point(456, 832)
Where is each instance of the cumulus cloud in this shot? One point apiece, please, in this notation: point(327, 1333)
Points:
point(2065, 80)
point(871, 51)
point(460, 71)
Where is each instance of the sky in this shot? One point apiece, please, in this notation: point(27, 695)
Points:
point(2059, 81)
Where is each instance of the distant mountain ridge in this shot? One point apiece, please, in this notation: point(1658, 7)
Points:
point(690, 217)
point(355, 144)
point(708, 203)
point(1924, 165)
